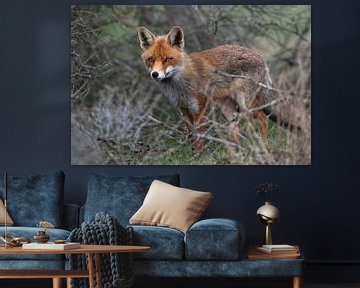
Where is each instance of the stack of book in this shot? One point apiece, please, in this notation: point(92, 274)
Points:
point(274, 252)
point(51, 246)
point(279, 249)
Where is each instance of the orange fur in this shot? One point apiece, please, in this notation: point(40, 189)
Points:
point(227, 75)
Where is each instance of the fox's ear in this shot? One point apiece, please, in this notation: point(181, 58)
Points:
point(176, 37)
point(146, 38)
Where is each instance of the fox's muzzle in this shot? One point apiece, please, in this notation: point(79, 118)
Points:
point(158, 75)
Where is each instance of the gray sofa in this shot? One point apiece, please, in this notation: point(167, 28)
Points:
point(32, 199)
point(210, 248)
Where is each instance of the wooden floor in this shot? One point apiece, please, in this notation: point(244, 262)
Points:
point(45, 283)
point(338, 285)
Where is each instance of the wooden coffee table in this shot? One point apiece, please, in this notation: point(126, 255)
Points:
point(92, 251)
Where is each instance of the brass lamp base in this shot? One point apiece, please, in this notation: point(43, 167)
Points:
point(268, 238)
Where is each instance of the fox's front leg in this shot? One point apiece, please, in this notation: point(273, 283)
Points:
point(194, 124)
point(189, 121)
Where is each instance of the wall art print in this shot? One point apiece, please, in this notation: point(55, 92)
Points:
point(191, 85)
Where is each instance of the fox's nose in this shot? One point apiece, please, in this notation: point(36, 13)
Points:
point(154, 74)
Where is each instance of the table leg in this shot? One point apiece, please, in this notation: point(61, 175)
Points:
point(57, 283)
point(91, 270)
point(68, 282)
point(297, 282)
point(98, 270)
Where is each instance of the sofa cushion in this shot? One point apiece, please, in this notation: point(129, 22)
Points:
point(119, 196)
point(35, 198)
point(29, 232)
point(9, 221)
point(169, 206)
point(165, 243)
point(214, 239)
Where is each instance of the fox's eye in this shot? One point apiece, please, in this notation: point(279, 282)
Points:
point(167, 59)
point(150, 60)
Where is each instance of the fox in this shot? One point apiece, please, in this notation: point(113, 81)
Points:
point(232, 77)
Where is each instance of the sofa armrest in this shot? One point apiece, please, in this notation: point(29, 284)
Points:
point(82, 214)
point(71, 216)
point(215, 239)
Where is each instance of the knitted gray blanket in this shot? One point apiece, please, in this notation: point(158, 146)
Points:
point(116, 268)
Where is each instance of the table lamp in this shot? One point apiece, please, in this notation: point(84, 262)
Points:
point(5, 205)
point(268, 214)
point(8, 239)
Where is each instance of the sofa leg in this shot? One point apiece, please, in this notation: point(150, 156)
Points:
point(68, 282)
point(57, 283)
point(297, 282)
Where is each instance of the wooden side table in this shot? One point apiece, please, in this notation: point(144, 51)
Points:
point(93, 251)
point(254, 254)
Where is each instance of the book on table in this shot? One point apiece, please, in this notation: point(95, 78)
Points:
point(254, 253)
point(51, 246)
point(278, 249)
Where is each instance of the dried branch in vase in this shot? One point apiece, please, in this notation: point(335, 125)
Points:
point(265, 189)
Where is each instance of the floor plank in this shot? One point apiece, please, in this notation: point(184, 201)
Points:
point(46, 283)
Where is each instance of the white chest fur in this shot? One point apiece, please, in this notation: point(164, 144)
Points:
point(179, 92)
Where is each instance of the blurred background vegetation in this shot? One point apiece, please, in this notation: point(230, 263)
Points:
point(119, 117)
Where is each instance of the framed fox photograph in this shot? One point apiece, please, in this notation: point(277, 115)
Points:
point(191, 85)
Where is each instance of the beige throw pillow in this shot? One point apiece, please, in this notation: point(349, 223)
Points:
point(170, 206)
point(9, 221)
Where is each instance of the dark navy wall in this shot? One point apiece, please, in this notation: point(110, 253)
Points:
point(318, 203)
